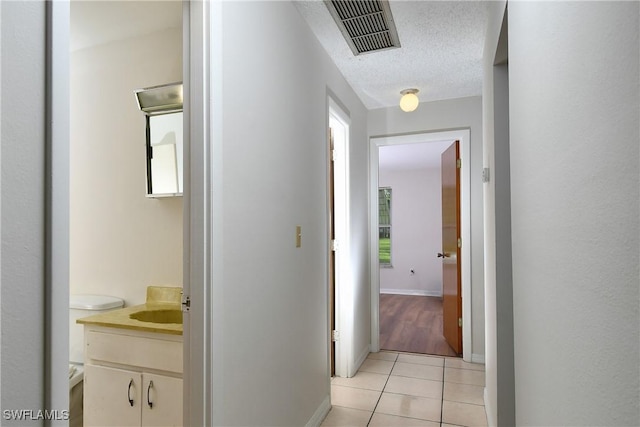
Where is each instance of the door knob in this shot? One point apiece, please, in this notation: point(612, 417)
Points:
point(443, 255)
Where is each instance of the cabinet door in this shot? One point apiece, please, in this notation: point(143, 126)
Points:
point(112, 397)
point(162, 404)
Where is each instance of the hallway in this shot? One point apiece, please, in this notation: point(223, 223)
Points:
point(400, 389)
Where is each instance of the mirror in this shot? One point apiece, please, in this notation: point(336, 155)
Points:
point(164, 154)
point(162, 106)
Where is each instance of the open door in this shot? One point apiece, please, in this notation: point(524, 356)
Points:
point(332, 255)
point(451, 275)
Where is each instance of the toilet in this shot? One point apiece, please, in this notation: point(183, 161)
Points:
point(82, 306)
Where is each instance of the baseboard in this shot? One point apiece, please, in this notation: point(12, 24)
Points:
point(359, 361)
point(490, 420)
point(320, 414)
point(415, 292)
point(477, 358)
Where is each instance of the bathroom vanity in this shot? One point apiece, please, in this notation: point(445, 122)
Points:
point(133, 366)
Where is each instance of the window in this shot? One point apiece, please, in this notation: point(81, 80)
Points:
point(384, 226)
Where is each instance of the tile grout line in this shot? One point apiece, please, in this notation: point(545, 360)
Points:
point(444, 365)
point(382, 391)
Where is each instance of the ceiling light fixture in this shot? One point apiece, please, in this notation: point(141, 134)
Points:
point(409, 101)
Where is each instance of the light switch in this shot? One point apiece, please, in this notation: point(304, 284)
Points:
point(298, 236)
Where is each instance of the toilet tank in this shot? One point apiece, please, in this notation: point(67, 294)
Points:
point(83, 306)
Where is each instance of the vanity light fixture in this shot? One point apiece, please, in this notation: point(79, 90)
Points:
point(409, 101)
point(163, 98)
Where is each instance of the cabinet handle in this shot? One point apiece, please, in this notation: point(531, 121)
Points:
point(149, 402)
point(129, 392)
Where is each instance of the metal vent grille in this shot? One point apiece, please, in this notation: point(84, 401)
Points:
point(367, 25)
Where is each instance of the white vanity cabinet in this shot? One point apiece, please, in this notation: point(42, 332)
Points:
point(132, 378)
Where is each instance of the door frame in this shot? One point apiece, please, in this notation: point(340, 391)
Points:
point(197, 230)
point(332, 254)
point(197, 215)
point(464, 136)
point(342, 267)
point(57, 84)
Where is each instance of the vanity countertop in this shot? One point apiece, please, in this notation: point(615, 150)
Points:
point(159, 299)
point(120, 319)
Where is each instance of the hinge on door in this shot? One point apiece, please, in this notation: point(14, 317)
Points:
point(335, 336)
point(485, 175)
point(186, 302)
point(334, 155)
point(459, 242)
point(458, 163)
point(334, 245)
point(460, 322)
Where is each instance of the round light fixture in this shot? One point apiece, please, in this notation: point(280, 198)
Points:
point(409, 101)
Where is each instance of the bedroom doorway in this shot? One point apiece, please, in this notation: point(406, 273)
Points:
point(388, 299)
point(411, 234)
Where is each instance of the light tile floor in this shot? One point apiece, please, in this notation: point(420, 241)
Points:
point(399, 389)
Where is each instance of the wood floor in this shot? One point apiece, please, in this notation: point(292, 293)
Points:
point(412, 324)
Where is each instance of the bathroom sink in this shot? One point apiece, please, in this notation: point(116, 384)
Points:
point(158, 316)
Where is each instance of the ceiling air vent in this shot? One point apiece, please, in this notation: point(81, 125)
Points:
point(367, 25)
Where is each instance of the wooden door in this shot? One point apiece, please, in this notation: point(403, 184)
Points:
point(332, 254)
point(112, 397)
point(451, 277)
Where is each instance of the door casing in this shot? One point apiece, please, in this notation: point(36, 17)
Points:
point(332, 254)
point(338, 116)
point(197, 212)
point(464, 136)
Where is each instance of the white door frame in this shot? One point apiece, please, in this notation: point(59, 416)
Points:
point(197, 213)
point(57, 202)
point(342, 268)
point(196, 202)
point(464, 136)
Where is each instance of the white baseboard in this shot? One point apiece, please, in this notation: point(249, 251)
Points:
point(320, 414)
point(477, 358)
point(416, 292)
point(490, 420)
point(359, 361)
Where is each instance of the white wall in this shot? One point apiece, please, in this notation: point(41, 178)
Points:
point(270, 309)
point(447, 115)
point(416, 235)
point(574, 108)
point(495, 399)
point(121, 241)
point(22, 166)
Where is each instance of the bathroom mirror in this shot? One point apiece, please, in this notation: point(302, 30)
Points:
point(164, 154)
point(162, 106)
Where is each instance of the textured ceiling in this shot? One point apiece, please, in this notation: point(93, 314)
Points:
point(441, 53)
